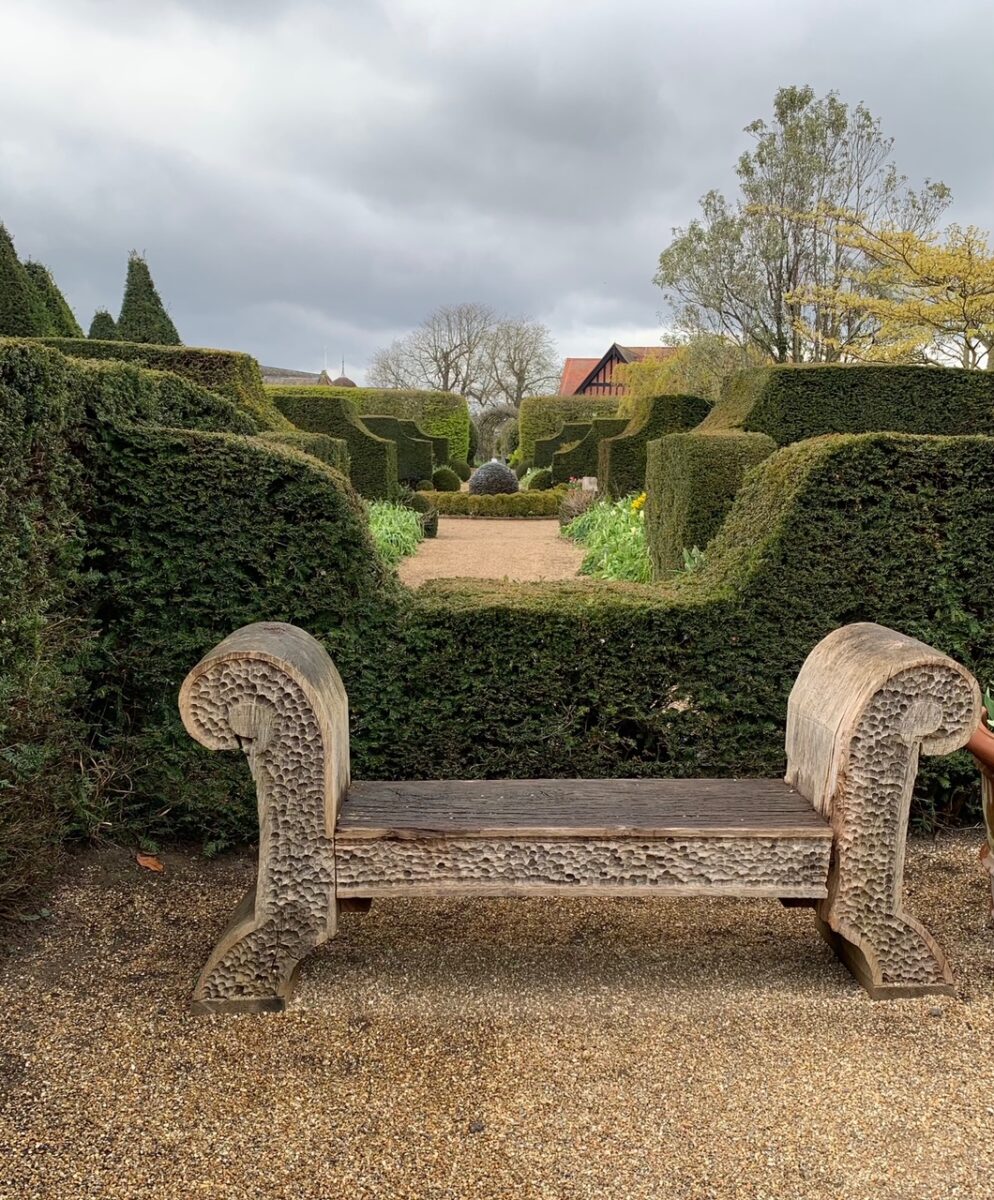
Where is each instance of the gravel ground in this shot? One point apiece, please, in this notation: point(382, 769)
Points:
point(617, 1049)
point(479, 549)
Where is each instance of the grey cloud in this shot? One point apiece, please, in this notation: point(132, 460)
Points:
point(311, 174)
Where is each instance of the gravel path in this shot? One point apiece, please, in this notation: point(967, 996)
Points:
point(614, 1049)
point(481, 549)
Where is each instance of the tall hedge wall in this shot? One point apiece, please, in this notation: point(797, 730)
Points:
point(440, 453)
point(579, 459)
point(332, 451)
point(621, 459)
point(544, 416)
point(415, 456)
point(691, 480)
point(226, 372)
point(572, 431)
point(372, 459)
point(789, 403)
point(438, 414)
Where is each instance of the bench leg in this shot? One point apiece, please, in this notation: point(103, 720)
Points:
point(272, 691)
point(867, 701)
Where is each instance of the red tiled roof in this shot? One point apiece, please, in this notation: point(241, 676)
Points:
point(575, 371)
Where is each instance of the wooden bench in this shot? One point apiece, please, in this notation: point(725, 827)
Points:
point(832, 834)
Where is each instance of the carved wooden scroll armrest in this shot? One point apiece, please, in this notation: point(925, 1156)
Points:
point(866, 702)
point(272, 691)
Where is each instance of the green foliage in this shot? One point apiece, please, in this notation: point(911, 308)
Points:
point(540, 480)
point(103, 327)
point(372, 459)
point(61, 321)
point(424, 485)
point(474, 441)
point(226, 372)
point(396, 530)
point(790, 403)
point(691, 481)
point(492, 478)
point(544, 416)
point(578, 459)
point(445, 479)
point(437, 414)
point(462, 469)
point(333, 451)
point(22, 309)
point(143, 316)
point(613, 536)
point(507, 439)
point(501, 504)
point(414, 455)
point(621, 459)
point(571, 433)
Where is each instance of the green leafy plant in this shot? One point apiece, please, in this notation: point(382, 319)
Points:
point(613, 535)
point(445, 480)
point(396, 530)
point(538, 481)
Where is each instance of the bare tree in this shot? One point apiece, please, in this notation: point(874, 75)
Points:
point(467, 348)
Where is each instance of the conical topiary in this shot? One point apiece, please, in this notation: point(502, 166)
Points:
point(22, 310)
point(143, 315)
point(61, 320)
point(103, 327)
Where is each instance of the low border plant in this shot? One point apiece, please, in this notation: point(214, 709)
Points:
point(613, 535)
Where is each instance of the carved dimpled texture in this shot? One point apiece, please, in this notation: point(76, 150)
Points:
point(296, 882)
point(870, 813)
point(707, 865)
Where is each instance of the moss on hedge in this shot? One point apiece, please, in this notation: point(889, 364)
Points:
point(691, 480)
point(578, 459)
point(621, 460)
point(415, 456)
point(789, 403)
point(571, 432)
point(437, 414)
point(230, 374)
point(332, 451)
point(372, 459)
point(544, 416)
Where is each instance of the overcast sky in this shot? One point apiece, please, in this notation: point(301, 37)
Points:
point(311, 176)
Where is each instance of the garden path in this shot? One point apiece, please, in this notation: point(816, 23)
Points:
point(473, 548)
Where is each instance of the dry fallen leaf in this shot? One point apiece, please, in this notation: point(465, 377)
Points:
point(150, 862)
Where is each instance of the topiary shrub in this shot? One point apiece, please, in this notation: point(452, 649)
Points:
point(333, 451)
point(501, 504)
point(474, 442)
point(492, 479)
point(790, 403)
point(621, 459)
point(544, 416)
point(103, 327)
point(580, 459)
point(61, 319)
point(462, 469)
point(143, 316)
point(372, 459)
point(425, 485)
point(22, 310)
point(520, 470)
point(571, 432)
point(541, 481)
point(446, 480)
point(414, 455)
point(436, 414)
point(691, 481)
point(226, 372)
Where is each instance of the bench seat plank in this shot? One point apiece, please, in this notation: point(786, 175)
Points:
point(577, 808)
point(698, 837)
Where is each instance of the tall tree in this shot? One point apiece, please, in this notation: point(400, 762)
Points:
point(103, 327)
point(22, 310)
point(741, 269)
point(61, 320)
point(698, 366)
point(521, 360)
point(143, 315)
point(921, 298)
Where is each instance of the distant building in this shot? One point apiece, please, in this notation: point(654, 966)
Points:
point(595, 376)
point(284, 377)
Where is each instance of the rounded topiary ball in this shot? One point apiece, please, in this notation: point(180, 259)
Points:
point(445, 480)
point(541, 481)
point(425, 485)
point(491, 479)
point(462, 469)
